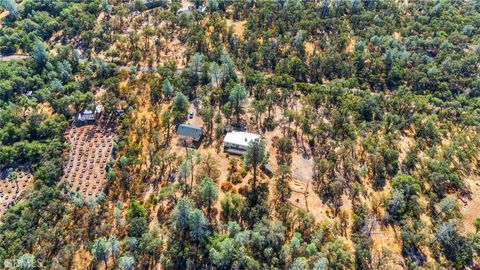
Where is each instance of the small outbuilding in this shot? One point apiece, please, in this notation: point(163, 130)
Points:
point(88, 116)
point(268, 170)
point(184, 10)
point(151, 4)
point(186, 131)
point(237, 142)
point(29, 94)
point(202, 8)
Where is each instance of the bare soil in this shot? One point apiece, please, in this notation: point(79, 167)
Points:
point(9, 194)
point(309, 48)
point(471, 210)
point(90, 148)
point(238, 27)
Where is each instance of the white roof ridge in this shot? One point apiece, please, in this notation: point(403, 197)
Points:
point(240, 137)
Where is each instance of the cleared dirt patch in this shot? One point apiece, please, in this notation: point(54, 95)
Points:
point(471, 210)
point(15, 57)
point(309, 48)
point(90, 148)
point(396, 35)
point(238, 27)
point(11, 187)
point(351, 44)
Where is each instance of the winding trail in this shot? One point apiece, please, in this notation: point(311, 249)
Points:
point(14, 57)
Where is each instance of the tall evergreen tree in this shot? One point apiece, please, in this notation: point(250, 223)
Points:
point(167, 89)
point(237, 97)
point(255, 157)
point(11, 7)
point(39, 54)
point(208, 192)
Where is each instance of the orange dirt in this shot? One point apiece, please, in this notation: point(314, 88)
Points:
point(90, 148)
point(309, 48)
point(82, 259)
point(351, 44)
point(8, 187)
point(238, 26)
point(471, 210)
point(396, 35)
point(45, 108)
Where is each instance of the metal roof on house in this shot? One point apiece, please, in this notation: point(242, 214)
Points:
point(89, 115)
point(186, 10)
point(86, 115)
point(189, 131)
point(240, 138)
point(87, 112)
point(98, 109)
point(149, 4)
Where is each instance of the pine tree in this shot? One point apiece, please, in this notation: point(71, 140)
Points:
point(208, 192)
point(126, 262)
point(213, 5)
point(25, 262)
point(40, 55)
point(197, 63)
point(215, 75)
point(167, 89)
point(237, 97)
point(179, 108)
point(11, 7)
point(99, 251)
point(180, 215)
point(255, 157)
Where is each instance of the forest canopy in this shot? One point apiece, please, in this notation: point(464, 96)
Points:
point(367, 113)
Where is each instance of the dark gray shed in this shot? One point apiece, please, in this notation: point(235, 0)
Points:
point(189, 131)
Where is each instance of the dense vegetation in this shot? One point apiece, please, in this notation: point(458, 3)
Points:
point(382, 97)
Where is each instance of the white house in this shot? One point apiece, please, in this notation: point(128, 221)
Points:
point(236, 142)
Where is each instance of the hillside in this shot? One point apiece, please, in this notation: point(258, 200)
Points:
point(367, 115)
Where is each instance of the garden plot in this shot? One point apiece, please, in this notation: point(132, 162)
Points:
point(304, 197)
point(11, 187)
point(90, 149)
point(471, 208)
